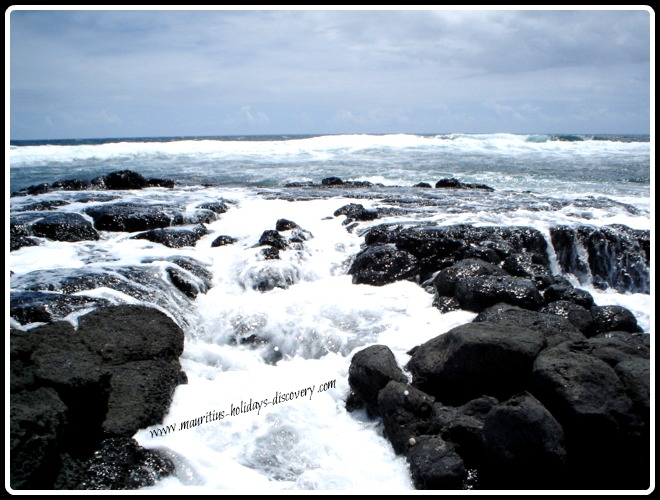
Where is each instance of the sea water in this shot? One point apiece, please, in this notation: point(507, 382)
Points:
point(264, 406)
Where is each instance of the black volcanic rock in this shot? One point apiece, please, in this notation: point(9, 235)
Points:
point(446, 279)
point(382, 264)
point(369, 372)
point(223, 240)
point(37, 420)
point(356, 211)
point(476, 293)
point(476, 359)
point(40, 307)
point(435, 465)
point(406, 413)
point(554, 328)
point(274, 239)
point(122, 179)
point(525, 445)
point(590, 401)
point(456, 184)
point(121, 464)
point(57, 226)
point(332, 181)
point(174, 237)
point(131, 217)
point(463, 426)
point(114, 375)
point(614, 318)
point(578, 316)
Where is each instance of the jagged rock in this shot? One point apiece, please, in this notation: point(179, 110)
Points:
point(476, 359)
point(462, 426)
point(456, 184)
point(554, 329)
point(223, 240)
point(590, 402)
point(71, 185)
point(130, 217)
point(525, 265)
point(616, 256)
point(406, 413)
point(174, 237)
point(121, 464)
point(382, 264)
point(185, 283)
point(435, 465)
point(16, 242)
point(270, 253)
point(446, 279)
point(355, 211)
point(480, 292)
point(285, 225)
point(370, 371)
point(445, 304)
point(44, 205)
point(156, 182)
point(122, 179)
point(570, 294)
point(57, 226)
point(613, 319)
point(196, 268)
point(577, 315)
point(126, 333)
point(218, 207)
point(525, 445)
point(332, 181)
point(37, 420)
point(274, 239)
point(40, 307)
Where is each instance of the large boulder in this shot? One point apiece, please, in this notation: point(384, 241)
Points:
point(382, 264)
point(463, 426)
point(41, 307)
point(555, 329)
point(174, 237)
point(406, 413)
point(614, 319)
point(524, 444)
point(57, 226)
point(435, 465)
point(446, 279)
point(476, 293)
point(590, 401)
point(122, 179)
point(577, 315)
point(121, 464)
point(476, 359)
point(113, 375)
point(37, 421)
point(370, 371)
point(130, 217)
point(355, 211)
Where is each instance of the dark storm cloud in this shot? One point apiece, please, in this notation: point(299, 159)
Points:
point(119, 73)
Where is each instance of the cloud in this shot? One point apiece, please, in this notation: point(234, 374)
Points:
point(177, 71)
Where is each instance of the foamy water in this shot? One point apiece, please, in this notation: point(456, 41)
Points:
point(244, 346)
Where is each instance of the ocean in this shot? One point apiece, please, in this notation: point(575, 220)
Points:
point(303, 334)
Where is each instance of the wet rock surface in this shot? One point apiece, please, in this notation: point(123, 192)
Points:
point(116, 373)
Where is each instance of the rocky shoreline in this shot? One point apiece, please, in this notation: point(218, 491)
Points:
point(543, 390)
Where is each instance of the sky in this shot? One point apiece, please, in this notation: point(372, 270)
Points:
point(154, 73)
